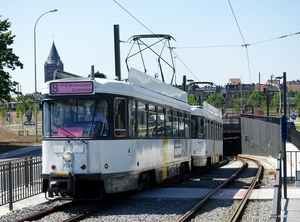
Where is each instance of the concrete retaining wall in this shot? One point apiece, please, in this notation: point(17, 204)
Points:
point(260, 138)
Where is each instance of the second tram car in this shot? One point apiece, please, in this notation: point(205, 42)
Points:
point(108, 136)
point(206, 135)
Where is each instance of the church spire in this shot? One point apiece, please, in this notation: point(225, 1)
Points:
point(53, 62)
point(53, 57)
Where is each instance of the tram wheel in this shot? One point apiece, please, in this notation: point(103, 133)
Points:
point(182, 169)
point(144, 181)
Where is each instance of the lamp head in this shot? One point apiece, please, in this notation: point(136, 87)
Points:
point(54, 10)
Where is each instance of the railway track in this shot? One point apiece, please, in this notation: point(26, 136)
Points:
point(102, 205)
point(93, 210)
point(222, 180)
point(238, 210)
point(46, 212)
point(88, 210)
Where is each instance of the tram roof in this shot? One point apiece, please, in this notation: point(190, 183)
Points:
point(208, 111)
point(139, 85)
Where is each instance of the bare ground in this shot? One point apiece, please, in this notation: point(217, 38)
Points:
point(12, 138)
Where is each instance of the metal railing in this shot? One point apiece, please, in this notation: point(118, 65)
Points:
point(20, 179)
point(292, 158)
point(276, 207)
point(293, 166)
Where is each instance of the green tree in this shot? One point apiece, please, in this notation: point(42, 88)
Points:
point(20, 107)
point(192, 99)
point(237, 105)
point(255, 99)
point(7, 60)
point(3, 111)
point(215, 99)
point(291, 93)
point(30, 104)
point(275, 101)
point(297, 101)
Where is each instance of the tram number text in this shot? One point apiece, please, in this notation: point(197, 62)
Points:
point(68, 165)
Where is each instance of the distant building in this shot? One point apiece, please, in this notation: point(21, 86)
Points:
point(235, 89)
point(53, 62)
point(294, 86)
point(234, 81)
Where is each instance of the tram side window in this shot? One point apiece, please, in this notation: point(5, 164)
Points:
point(119, 117)
point(212, 129)
point(208, 126)
point(216, 131)
point(181, 125)
point(175, 125)
point(187, 121)
point(193, 128)
point(152, 117)
point(201, 128)
point(213, 123)
point(141, 119)
point(168, 120)
point(221, 132)
point(132, 117)
point(46, 119)
point(161, 115)
point(161, 118)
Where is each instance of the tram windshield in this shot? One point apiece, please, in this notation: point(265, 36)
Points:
point(75, 118)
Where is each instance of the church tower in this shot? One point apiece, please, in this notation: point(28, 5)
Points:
point(53, 62)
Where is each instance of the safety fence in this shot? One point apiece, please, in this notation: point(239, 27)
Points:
point(276, 208)
point(20, 179)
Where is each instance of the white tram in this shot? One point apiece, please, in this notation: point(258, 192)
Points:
point(136, 136)
point(206, 135)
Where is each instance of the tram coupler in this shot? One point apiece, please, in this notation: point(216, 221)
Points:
point(60, 183)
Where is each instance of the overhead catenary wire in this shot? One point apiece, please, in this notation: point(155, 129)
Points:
point(246, 45)
point(280, 37)
point(186, 66)
point(133, 16)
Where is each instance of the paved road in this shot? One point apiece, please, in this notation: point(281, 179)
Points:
point(23, 152)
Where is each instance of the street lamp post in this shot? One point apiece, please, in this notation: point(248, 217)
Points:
point(35, 82)
point(284, 136)
point(279, 94)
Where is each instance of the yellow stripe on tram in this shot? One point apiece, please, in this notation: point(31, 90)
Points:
point(165, 159)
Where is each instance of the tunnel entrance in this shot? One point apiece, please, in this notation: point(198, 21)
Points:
point(232, 144)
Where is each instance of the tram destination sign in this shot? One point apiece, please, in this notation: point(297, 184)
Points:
point(84, 87)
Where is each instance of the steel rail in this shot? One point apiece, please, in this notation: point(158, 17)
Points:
point(43, 213)
point(192, 211)
point(93, 210)
point(237, 213)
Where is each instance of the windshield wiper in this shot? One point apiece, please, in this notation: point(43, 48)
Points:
point(70, 134)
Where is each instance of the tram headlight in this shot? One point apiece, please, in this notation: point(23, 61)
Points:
point(67, 156)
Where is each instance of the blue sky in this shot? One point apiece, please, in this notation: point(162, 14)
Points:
point(83, 34)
